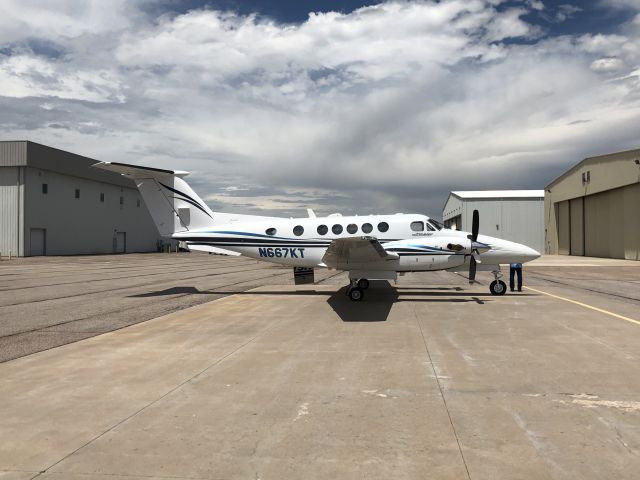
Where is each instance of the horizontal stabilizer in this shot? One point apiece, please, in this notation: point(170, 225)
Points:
point(136, 171)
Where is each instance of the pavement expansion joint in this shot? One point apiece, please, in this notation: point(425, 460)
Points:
point(441, 390)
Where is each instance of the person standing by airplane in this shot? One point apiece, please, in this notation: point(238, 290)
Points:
point(515, 269)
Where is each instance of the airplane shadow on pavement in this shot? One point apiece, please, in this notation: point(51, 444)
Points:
point(375, 307)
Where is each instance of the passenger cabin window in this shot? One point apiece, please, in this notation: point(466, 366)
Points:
point(298, 230)
point(45, 188)
point(352, 228)
point(271, 231)
point(417, 226)
point(337, 229)
point(383, 226)
point(367, 228)
point(77, 193)
point(322, 229)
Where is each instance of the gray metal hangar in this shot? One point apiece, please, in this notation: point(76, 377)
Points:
point(593, 209)
point(53, 203)
point(514, 215)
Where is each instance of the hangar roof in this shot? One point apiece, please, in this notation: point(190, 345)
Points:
point(23, 153)
point(631, 155)
point(483, 194)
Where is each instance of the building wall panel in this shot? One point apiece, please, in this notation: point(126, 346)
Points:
point(517, 219)
point(86, 225)
point(9, 210)
point(13, 154)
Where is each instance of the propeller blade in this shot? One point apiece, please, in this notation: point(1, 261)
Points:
point(476, 256)
point(472, 269)
point(475, 226)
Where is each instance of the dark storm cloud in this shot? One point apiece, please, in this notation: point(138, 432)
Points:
point(385, 108)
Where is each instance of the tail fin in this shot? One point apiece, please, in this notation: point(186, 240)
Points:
point(173, 205)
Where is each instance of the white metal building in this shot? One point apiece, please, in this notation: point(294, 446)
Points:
point(53, 202)
point(515, 215)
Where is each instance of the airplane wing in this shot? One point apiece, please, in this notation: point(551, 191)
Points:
point(345, 252)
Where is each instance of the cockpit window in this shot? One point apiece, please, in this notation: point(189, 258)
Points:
point(417, 226)
point(430, 227)
point(436, 224)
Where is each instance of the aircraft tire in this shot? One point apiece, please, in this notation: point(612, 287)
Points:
point(363, 283)
point(498, 287)
point(356, 294)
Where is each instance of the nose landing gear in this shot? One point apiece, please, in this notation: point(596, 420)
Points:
point(355, 290)
point(497, 287)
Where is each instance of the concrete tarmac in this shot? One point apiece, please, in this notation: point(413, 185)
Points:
point(432, 379)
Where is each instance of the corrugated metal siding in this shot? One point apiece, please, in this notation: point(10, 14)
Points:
point(13, 154)
point(517, 220)
point(9, 210)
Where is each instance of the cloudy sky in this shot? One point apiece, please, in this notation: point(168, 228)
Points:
point(349, 106)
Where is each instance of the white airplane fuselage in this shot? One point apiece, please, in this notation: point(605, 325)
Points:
point(368, 247)
point(419, 243)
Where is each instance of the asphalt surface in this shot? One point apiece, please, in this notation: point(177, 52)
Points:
point(432, 378)
point(46, 302)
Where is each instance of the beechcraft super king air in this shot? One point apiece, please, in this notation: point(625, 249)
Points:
point(372, 247)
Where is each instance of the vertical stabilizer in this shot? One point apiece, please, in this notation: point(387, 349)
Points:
point(172, 203)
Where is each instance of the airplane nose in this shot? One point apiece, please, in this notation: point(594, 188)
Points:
point(528, 253)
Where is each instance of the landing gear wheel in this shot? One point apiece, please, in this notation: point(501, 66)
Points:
point(363, 283)
point(356, 294)
point(498, 287)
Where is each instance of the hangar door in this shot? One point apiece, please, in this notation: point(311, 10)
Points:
point(612, 223)
point(564, 231)
point(576, 225)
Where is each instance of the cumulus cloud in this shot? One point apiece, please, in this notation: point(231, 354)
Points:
point(384, 108)
point(634, 4)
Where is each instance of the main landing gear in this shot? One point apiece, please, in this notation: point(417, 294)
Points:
point(497, 287)
point(355, 290)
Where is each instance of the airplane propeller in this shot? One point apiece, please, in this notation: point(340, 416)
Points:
point(475, 254)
